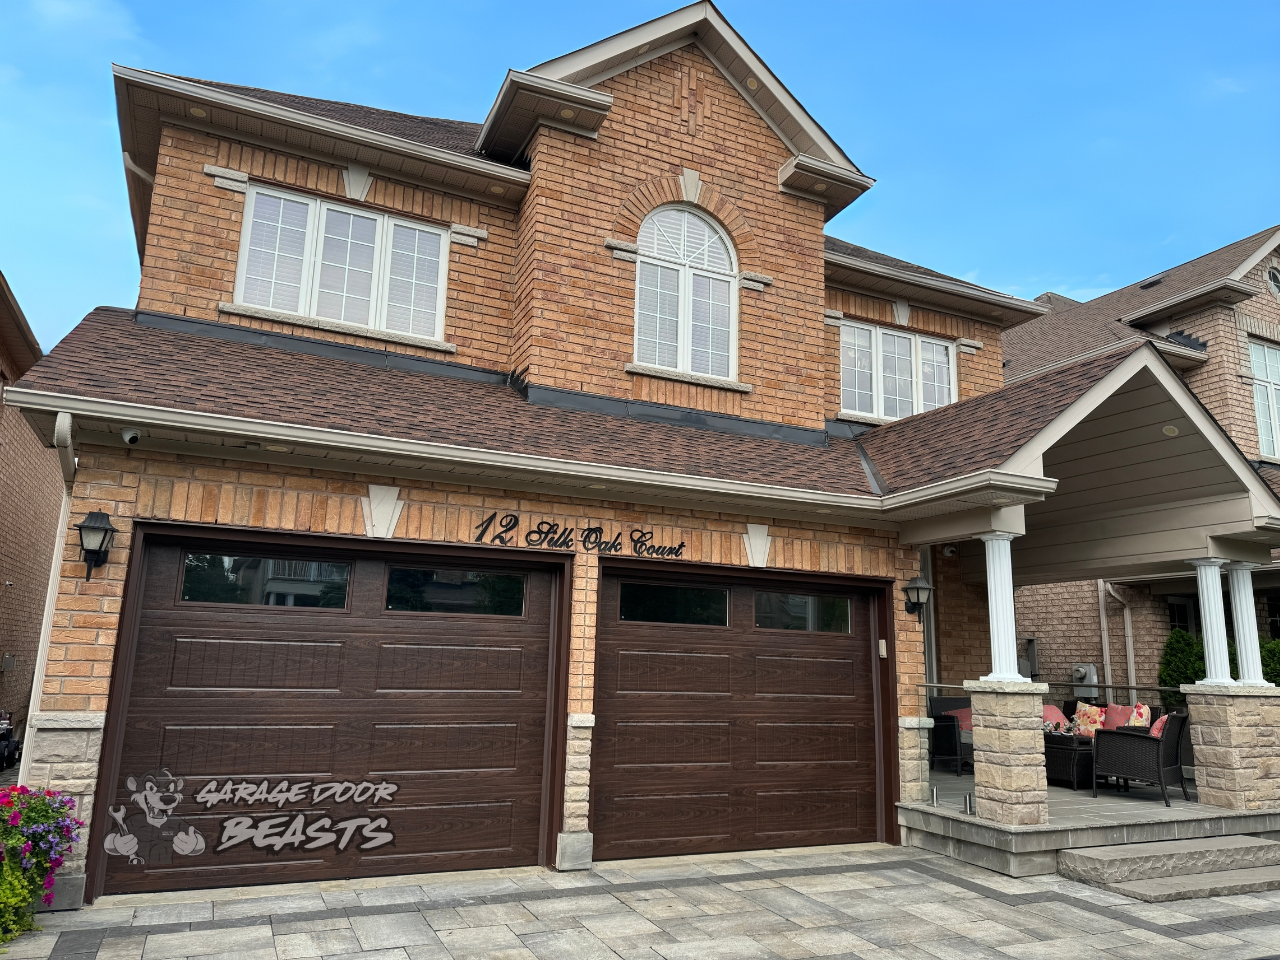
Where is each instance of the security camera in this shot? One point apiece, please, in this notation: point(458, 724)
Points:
point(950, 550)
point(131, 435)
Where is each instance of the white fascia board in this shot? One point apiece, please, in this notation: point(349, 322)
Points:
point(689, 24)
point(954, 287)
point(382, 141)
point(1147, 357)
point(1236, 290)
point(558, 90)
point(1017, 483)
point(1255, 258)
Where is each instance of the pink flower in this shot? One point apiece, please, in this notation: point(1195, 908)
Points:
point(26, 848)
point(15, 818)
point(48, 881)
point(47, 898)
point(22, 789)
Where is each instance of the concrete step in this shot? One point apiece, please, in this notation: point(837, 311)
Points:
point(1167, 858)
point(1223, 883)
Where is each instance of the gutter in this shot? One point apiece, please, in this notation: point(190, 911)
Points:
point(1228, 290)
point(482, 461)
point(953, 287)
point(383, 141)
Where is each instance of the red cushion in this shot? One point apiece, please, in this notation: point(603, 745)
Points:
point(1157, 728)
point(1117, 716)
point(964, 715)
point(1052, 714)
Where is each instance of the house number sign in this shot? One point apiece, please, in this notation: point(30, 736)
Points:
point(505, 531)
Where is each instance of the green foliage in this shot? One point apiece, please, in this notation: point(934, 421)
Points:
point(1182, 662)
point(1271, 661)
point(17, 893)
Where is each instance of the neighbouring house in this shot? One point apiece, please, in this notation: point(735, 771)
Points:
point(1216, 320)
point(31, 489)
point(545, 490)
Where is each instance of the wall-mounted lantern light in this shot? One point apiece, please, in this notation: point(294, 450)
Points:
point(96, 534)
point(918, 591)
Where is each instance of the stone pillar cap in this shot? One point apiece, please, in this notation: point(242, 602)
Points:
point(1005, 686)
point(1234, 690)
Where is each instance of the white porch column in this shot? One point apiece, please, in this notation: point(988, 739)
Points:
point(1244, 616)
point(1004, 633)
point(1213, 621)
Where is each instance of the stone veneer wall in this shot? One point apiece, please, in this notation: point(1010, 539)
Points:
point(131, 484)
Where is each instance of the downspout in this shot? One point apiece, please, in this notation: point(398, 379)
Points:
point(1128, 644)
point(67, 460)
point(1106, 635)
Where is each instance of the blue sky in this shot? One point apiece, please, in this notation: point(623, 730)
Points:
point(1024, 146)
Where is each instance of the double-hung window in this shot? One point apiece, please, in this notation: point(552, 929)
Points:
point(686, 295)
point(321, 259)
point(885, 374)
point(1265, 361)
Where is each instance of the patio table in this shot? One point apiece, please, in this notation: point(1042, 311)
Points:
point(1068, 757)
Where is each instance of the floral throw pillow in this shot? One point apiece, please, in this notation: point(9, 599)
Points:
point(965, 716)
point(1089, 718)
point(1141, 716)
point(1116, 716)
point(1157, 728)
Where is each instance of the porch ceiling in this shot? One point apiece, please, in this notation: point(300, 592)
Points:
point(1133, 501)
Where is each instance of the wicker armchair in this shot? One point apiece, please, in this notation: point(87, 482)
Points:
point(1133, 754)
point(945, 743)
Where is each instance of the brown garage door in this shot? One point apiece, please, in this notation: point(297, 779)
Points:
point(731, 717)
point(309, 714)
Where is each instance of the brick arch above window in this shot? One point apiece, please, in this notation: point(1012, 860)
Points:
point(661, 191)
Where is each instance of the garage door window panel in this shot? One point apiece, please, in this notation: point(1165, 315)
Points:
point(798, 611)
point(264, 581)
point(453, 591)
point(669, 603)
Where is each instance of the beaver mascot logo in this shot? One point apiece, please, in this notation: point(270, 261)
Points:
point(154, 834)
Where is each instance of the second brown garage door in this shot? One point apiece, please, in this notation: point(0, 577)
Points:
point(311, 712)
point(731, 717)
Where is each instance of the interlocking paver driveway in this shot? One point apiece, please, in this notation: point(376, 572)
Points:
point(869, 901)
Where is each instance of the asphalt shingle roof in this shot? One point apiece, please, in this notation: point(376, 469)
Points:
point(1066, 333)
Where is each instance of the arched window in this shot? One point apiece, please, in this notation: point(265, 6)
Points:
point(686, 295)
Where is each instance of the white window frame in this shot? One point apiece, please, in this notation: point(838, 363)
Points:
point(1272, 390)
point(310, 282)
point(877, 380)
point(684, 326)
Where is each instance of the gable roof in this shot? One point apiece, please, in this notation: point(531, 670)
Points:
point(820, 170)
point(1107, 320)
point(848, 264)
point(979, 433)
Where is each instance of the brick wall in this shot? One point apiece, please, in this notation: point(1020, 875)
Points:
point(31, 488)
point(193, 239)
point(575, 302)
point(962, 626)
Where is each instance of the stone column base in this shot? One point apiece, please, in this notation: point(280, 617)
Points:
point(1235, 736)
point(61, 752)
point(574, 850)
point(1008, 751)
point(913, 758)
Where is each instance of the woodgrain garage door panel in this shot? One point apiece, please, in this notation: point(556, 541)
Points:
point(733, 737)
point(315, 742)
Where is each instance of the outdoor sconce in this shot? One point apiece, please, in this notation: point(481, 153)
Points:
point(918, 591)
point(96, 534)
